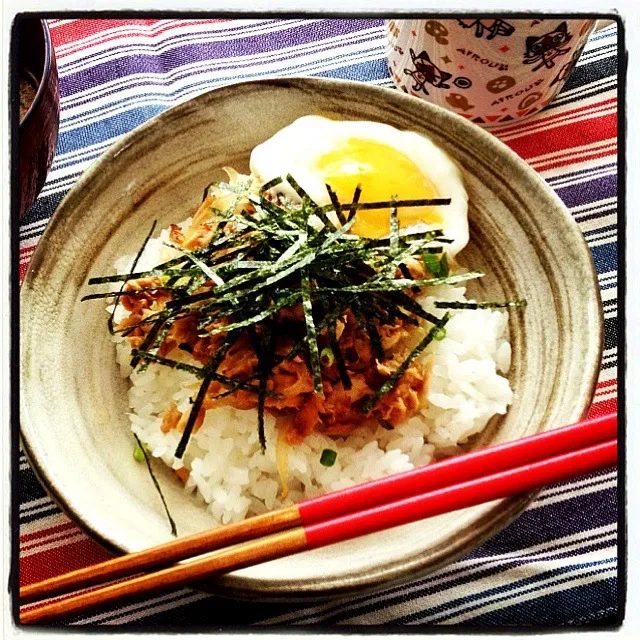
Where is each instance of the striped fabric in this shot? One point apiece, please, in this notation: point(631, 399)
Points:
point(557, 563)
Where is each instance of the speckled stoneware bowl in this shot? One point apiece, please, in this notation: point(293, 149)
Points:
point(74, 426)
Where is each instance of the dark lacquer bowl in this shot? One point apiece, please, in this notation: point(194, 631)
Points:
point(39, 111)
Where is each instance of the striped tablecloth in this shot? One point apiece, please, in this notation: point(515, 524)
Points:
point(557, 563)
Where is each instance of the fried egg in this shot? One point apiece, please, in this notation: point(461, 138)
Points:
point(383, 160)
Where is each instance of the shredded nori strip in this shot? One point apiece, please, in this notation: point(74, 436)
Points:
point(354, 201)
point(312, 343)
point(156, 484)
point(193, 414)
point(407, 274)
point(264, 347)
point(209, 376)
point(394, 227)
point(339, 358)
point(399, 284)
point(480, 305)
point(133, 267)
point(148, 341)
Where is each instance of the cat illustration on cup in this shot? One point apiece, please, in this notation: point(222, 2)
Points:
point(426, 72)
point(546, 48)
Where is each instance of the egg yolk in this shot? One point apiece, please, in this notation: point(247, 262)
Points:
point(382, 172)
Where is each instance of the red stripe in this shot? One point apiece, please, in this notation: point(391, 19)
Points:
point(53, 562)
point(26, 253)
point(599, 409)
point(551, 118)
point(562, 138)
point(27, 537)
point(79, 29)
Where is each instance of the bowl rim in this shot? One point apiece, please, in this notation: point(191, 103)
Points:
point(46, 74)
point(481, 528)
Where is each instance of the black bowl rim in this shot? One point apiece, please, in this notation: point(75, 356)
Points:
point(46, 73)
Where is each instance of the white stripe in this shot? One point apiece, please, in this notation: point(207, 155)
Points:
point(607, 276)
point(581, 178)
point(145, 611)
point(552, 585)
point(570, 495)
point(34, 504)
point(36, 510)
point(576, 167)
point(58, 23)
point(596, 56)
point(575, 484)
point(169, 27)
point(597, 223)
point(133, 607)
point(50, 521)
point(608, 238)
point(583, 149)
point(605, 202)
point(78, 537)
point(604, 89)
point(83, 152)
point(605, 397)
point(51, 541)
point(599, 37)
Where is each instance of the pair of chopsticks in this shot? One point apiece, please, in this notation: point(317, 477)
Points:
point(463, 481)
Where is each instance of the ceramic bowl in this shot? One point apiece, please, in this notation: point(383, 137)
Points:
point(74, 427)
point(39, 111)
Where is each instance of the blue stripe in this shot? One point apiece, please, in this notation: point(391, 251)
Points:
point(605, 257)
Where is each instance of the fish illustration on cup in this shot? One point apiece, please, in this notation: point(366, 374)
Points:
point(458, 101)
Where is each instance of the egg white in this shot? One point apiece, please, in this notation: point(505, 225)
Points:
point(296, 148)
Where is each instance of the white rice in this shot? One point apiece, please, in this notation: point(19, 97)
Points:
point(234, 479)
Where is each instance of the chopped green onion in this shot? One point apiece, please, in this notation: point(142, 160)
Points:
point(440, 333)
point(328, 458)
point(326, 357)
point(138, 454)
point(431, 264)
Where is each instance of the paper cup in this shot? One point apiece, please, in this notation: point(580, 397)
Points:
point(492, 72)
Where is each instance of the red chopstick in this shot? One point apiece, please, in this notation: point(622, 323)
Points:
point(459, 469)
point(467, 480)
